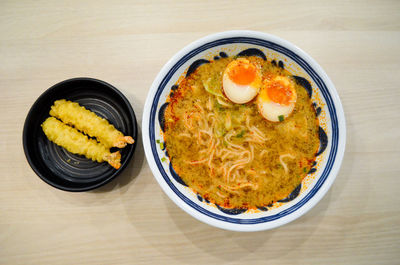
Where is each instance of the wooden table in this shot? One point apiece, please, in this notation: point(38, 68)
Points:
point(131, 220)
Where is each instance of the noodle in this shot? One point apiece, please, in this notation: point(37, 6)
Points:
point(281, 157)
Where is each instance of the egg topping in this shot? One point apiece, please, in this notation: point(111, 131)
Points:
point(277, 98)
point(241, 81)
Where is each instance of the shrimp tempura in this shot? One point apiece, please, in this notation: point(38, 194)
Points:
point(78, 143)
point(88, 122)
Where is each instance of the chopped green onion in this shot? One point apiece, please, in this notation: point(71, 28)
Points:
point(281, 118)
point(305, 170)
point(219, 131)
point(240, 135)
point(162, 145)
point(218, 106)
point(163, 159)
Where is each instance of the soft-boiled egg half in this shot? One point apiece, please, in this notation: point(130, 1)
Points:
point(241, 81)
point(277, 98)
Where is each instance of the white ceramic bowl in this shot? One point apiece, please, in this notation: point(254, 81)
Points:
point(322, 92)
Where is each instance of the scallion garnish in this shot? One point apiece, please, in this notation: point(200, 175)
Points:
point(281, 118)
point(240, 135)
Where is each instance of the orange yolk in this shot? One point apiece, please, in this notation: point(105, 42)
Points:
point(279, 93)
point(243, 73)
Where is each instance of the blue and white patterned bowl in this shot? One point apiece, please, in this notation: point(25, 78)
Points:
point(307, 72)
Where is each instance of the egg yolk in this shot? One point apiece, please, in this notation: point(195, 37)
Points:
point(242, 73)
point(280, 93)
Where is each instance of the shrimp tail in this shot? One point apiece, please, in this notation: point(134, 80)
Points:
point(122, 141)
point(114, 159)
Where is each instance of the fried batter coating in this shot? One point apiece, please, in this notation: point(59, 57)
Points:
point(88, 122)
point(78, 143)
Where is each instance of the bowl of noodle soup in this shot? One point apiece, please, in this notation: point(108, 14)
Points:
point(232, 164)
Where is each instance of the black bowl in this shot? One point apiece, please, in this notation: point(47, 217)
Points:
point(60, 168)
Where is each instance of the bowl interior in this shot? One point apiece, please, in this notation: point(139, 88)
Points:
point(54, 164)
point(307, 73)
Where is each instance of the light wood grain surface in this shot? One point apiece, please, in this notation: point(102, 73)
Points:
point(131, 220)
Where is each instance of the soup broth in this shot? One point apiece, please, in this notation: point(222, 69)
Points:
point(229, 153)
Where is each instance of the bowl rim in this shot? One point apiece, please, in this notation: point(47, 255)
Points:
point(341, 124)
point(97, 184)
